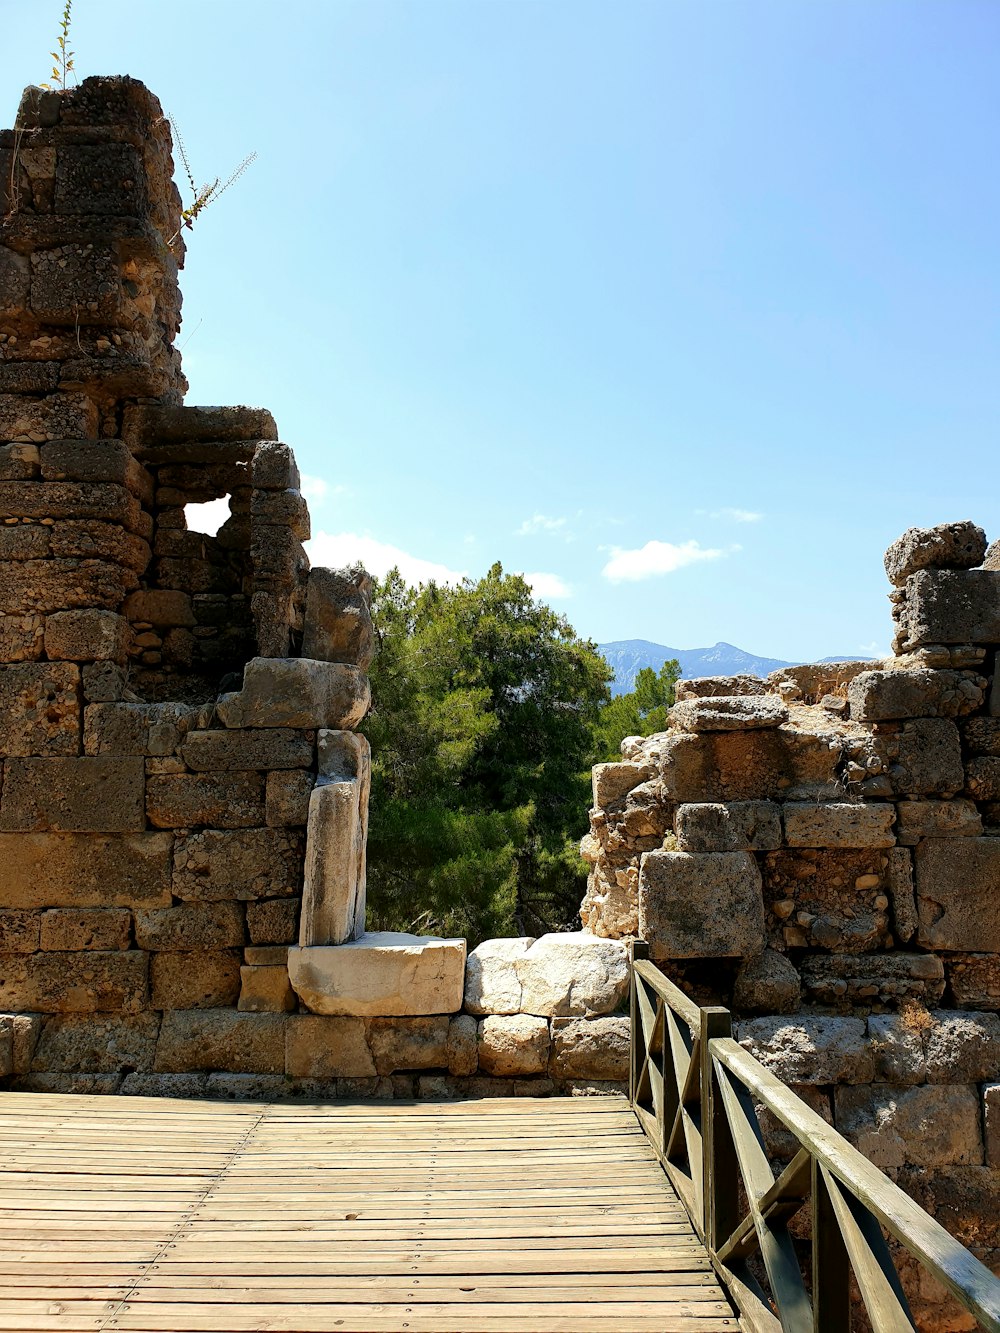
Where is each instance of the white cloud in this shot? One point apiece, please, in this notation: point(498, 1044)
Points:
point(207, 518)
point(318, 489)
point(656, 558)
point(873, 649)
point(338, 549)
point(541, 523)
point(547, 586)
point(734, 515)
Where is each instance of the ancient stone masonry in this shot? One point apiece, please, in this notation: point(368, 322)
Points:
point(183, 806)
point(821, 852)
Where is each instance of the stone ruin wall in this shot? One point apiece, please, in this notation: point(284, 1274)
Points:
point(820, 851)
point(184, 798)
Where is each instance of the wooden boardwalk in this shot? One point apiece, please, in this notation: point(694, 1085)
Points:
point(147, 1214)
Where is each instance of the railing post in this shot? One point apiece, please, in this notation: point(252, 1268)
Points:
point(637, 949)
point(831, 1271)
point(720, 1173)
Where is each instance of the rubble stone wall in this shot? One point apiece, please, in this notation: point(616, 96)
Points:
point(177, 710)
point(820, 851)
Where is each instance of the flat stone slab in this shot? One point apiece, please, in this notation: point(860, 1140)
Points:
point(382, 973)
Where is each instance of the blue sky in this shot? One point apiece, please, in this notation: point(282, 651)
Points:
point(685, 308)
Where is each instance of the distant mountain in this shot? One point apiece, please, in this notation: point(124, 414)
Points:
point(627, 657)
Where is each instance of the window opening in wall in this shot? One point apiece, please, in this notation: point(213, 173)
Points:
point(207, 518)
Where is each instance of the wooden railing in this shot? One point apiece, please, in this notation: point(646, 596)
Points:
point(696, 1092)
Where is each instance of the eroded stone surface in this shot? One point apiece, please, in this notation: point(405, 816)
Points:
point(380, 974)
point(947, 546)
point(807, 1049)
point(918, 1126)
point(572, 974)
point(701, 905)
point(297, 692)
point(517, 1044)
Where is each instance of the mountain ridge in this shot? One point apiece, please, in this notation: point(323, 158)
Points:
point(627, 657)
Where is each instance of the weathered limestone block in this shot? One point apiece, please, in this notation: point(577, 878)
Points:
point(162, 607)
point(613, 782)
point(711, 687)
point(95, 461)
point(135, 728)
point(946, 546)
point(813, 681)
point(103, 683)
point(273, 467)
point(209, 751)
point(18, 462)
point(956, 818)
point(811, 825)
point(829, 898)
point(982, 778)
point(974, 979)
point(514, 1044)
point(767, 984)
point(84, 870)
point(25, 541)
point(21, 638)
point(164, 433)
point(208, 980)
point(738, 712)
point(338, 624)
point(60, 416)
point(734, 827)
point(902, 897)
point(572, 974)
point(318, 1047)
point(184, 1086)
point(928, 1126)
point(962, 1047)
point(64, 928)
point(20, 931)
point(221, 800)
point(86, 636)
point(191, 926)
point(95, 539)
point(807, 1049)
point(982, 735)
point(22, 1032)
point(40, 709)
point(286, 802)
point(99, 794)
point(72, 500)
point(898, 1046)
point(590, 1049)
point(274, 921)
point(297, 692)
point(221, 1039)
point(492, 985)
point(951, 606)
point(701, 905)
point(400, 1044)
point(463, 1045)
point(63, 983)
point(991, 1122)
point(87, 1085)
point(97, 1043)
point(846, 979)
point(244, 864)
point(957, 900)
point(266, 990)
point(61, 585)
point(877, 696)
point(382, 973)
point(921, 758)
point(333, 892)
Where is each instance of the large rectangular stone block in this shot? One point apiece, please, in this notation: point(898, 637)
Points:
point(701, 905)
point(922, 757)
point(96, 1043)
point(70, 499)
point(952, 606)
point(61, 585)
point(40, 709)
point(59, 983)
point(95, 461)
point(809, 824)
point(246, 865)
point(65, 928)
point(135, 728)
point(103, 794)
point(937, 819)
point(590, 1048)
point(778, 763)
point(20, 931)
point(297, 692)
point(381, 974)
point(190, 926)
point(60, 416)
point(221, 800)
point(803, 1048)
point(958, 902)
point(735, 826)
point(921, 1126)
point(209, 979)
point(221, 1039)
point(21, 638)
point(85, 869)
point(877, 696)
point(317, 1046)
point(276, 748)
point(333, 893)
point(87, 636)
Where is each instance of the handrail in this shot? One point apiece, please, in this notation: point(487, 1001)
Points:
point(694, 1090)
